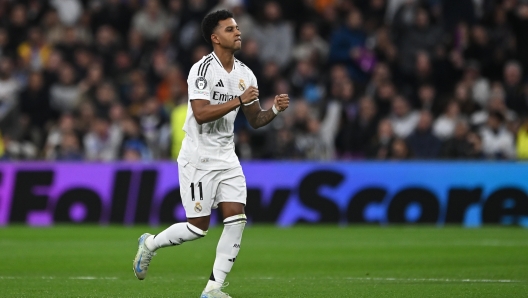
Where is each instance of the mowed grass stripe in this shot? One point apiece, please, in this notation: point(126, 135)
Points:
point(304, 261)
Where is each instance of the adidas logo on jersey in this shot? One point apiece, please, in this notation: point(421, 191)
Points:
point(219, 84)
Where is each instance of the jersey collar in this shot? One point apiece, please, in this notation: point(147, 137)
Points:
point(218, 61)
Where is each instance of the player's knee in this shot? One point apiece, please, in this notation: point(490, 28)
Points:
point(195, 232)
point(239, 219)
point(201, 223)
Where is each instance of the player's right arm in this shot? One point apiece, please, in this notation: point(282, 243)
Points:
point(200, 82)
point(205, 112)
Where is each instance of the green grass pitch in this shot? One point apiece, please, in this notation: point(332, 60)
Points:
point(303, 261)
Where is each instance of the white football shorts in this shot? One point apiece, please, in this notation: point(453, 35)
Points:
point(203, 190)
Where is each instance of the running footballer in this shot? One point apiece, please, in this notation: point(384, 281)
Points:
point(210, 174)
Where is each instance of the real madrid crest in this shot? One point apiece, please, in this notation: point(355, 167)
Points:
point(200, 83)
point(241, 85)
point(198, 207)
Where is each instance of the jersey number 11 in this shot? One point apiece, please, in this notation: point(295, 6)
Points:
point(192, 190)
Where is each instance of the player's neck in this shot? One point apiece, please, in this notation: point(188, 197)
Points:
point(226, 58)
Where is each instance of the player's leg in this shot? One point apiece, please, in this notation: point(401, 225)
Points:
point(197, 200)
point(177, 234)
point(173, 235)
point(232, 198)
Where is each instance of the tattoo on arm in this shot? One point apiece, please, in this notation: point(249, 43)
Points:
point(256, 116)
point(264, 117)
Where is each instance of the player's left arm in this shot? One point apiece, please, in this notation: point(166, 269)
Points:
point(254, 113)
point(258, 117)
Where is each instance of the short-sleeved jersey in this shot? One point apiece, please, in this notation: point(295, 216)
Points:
point(210, 146)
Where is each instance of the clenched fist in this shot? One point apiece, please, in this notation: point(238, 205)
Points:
point(281, 102)
point(250, 94)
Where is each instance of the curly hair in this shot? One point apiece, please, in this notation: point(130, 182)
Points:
point(210, 22)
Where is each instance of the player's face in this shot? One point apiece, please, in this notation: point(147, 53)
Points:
point(228, 34)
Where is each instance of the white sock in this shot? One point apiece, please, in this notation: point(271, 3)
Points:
point(174, 235)
point(227, 249)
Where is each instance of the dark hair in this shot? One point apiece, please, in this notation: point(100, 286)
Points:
point(497, 115)
point(210, 22)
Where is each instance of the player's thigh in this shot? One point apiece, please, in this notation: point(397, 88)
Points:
point(232, 188)
point(197, 190)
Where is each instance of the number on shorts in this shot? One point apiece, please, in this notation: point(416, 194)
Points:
point(200, 188)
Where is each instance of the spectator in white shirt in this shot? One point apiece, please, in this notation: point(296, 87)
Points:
point(403, 118)
point(9, 88)
point(497, 141)
point(444, 125)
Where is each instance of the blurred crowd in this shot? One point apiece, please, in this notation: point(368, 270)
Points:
point(368, 79)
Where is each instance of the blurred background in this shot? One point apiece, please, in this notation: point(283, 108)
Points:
point(369, 79)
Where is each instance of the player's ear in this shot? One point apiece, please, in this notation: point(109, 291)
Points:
point(214, 39)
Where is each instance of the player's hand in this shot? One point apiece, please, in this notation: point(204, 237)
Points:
point(281, 102)
point(250, 94)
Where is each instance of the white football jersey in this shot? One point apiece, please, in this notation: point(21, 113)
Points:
point(211, 146)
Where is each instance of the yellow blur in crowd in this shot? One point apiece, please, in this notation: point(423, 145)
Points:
point(522, 141)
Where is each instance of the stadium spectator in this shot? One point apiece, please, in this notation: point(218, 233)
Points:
point(463, 97)
point(403, 118)
point(428, 99)
point(458, 146)
point(515, 97)
point(86, 114)
point(66, 124)
point(479, 86)
point(399, 150)
point(9, 89)
point(133, 138)
point(384, 48)
point(305, 83)
point(69, 10)
point(35, 51)
point(422, 142)
point(101, 143)
point(152, 21)
point(310, 46)
point(274, 36)
point(105, 97)
point(53, 28)
point(497, 141)
point(477, 146)
point(354, 136)
point(69, 149)
point(347, 44)
point(444, 125)
point(153, 122)
point(35, 106)
point(65, 94)
point(379, 146)
point(384, 97)
point(17, 26)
